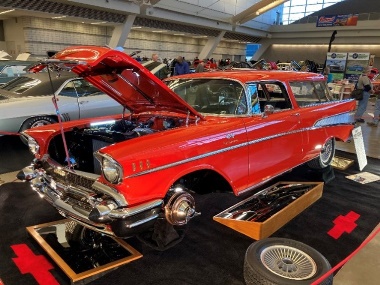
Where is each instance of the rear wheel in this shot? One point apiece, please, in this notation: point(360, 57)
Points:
point(325, 156)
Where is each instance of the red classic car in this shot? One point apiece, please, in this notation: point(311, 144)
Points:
point(123, 175)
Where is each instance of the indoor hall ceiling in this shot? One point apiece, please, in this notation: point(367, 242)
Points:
point(146, 10)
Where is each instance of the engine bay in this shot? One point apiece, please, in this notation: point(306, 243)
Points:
point(83, 142)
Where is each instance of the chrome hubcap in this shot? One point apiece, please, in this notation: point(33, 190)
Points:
point(288, 262)
point(327, 151)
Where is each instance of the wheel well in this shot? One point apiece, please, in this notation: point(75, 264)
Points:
point(205, 181)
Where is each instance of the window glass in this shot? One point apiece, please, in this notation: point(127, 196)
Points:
point(79, 88)
point(20, 84)
point(212, 96)
point(253, 97)
point(308, 92)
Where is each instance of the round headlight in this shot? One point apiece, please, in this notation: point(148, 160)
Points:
point(111, 170)
point(33, 145)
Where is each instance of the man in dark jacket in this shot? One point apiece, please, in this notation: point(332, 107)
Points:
point(181, 67)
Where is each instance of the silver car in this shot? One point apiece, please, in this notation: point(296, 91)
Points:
point(26, 101)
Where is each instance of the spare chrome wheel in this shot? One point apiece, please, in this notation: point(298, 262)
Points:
point(284, 261)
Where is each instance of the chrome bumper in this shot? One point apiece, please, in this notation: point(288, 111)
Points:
point(116, 219)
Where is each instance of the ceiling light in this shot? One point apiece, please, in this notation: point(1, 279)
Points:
point(97, 23)
point(136, 27)
point(158, 31)
point(7, 11)
point(58, 17)
point(178, 34)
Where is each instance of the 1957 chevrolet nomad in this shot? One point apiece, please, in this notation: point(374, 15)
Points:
point(123, 175)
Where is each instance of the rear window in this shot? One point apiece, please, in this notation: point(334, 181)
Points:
point(310, 92)
point(20, 84)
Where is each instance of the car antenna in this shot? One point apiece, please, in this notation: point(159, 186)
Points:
point(54, 100)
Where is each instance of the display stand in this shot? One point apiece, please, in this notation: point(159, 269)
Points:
point(341, 163)
point(243, 217)
point(84, 256)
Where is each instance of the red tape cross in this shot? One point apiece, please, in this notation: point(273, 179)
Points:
point(343, 224)
point(37, 265)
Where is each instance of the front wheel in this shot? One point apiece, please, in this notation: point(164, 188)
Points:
point(280, 261)
point(36, 122)
point(325, 156)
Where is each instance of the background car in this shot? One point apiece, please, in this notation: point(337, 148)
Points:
point(26, 101)
point(355, 67)
point(10, 69)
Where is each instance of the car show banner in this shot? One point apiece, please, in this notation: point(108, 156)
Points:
point(337, 20)
point(356, 64)
point(336, 62)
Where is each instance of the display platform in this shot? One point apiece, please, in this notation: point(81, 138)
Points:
point(265, 212)
point(82, 254)
point(341, 163)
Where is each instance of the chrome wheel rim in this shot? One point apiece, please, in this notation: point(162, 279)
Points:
point(327, 152)
point(40, 123)
point(288, 262)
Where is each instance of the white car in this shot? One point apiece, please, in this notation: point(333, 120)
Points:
point(26, 101)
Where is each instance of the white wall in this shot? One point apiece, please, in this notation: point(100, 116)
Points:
point(39, 35)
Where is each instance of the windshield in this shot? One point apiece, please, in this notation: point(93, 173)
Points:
point(20, 84)
point(212, 96)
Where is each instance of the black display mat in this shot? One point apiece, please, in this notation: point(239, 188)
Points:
point(210, 253)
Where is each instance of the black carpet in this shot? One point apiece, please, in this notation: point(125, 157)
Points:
point(210, 253)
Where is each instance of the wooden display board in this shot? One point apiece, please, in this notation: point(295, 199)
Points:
point(260, 230)
point(44, 233)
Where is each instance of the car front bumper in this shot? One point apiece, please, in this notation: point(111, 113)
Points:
point(80, 197)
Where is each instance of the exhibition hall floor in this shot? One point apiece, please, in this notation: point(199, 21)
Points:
point(210, 253)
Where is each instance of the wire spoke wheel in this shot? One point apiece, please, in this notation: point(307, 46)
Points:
point(288, 262)
point(282, 261)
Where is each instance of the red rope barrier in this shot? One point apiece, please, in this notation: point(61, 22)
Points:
point(340, 264)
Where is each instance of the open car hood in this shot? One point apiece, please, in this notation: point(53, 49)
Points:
point(121, 77)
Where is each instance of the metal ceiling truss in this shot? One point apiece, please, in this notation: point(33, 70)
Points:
point(119, 18)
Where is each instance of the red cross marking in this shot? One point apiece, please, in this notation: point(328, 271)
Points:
point(343, 224)
point(37, 265)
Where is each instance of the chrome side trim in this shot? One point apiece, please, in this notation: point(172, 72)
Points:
point(127, 212)
point(340, 119)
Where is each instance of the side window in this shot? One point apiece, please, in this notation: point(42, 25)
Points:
point(253, 97)
point(274, 94)
point(79, 88)
point(308, 92)
point(68, 90)
point(85, 88)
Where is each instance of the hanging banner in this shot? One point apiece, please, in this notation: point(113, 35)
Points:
point(337, 20)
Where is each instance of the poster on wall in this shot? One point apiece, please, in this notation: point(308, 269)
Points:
point(336, 62)
point(337, 20)
point(356, 64)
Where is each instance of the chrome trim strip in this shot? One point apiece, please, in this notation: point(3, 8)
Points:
point(127, 212)
point(340, 119)
point(143, 221)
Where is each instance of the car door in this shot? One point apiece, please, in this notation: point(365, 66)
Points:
point(273, 132)
point(94, 103)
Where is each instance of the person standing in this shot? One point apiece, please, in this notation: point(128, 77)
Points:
point(181, 67)
point(365, 84)
point(200, 67)
point(155, 57)
point(376, 114)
